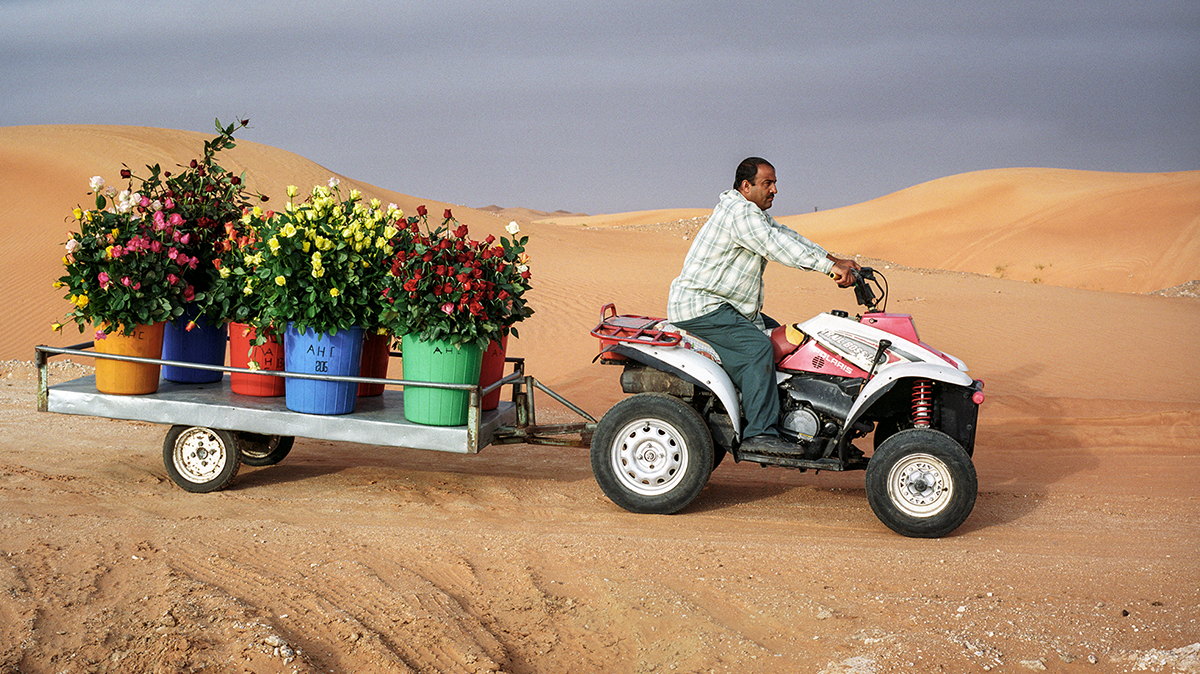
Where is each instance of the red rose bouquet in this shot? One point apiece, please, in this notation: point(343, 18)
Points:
point(444, 285)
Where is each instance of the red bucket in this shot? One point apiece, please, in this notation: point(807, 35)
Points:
point(268, 356)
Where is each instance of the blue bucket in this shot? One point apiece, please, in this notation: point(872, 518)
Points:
point(204, 344)
point(322, 353)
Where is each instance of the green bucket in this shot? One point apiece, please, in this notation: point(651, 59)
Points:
point(442, 362)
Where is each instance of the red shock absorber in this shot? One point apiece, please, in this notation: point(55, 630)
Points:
point(922, 403)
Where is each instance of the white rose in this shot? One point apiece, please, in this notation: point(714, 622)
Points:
point(334, 182)
point(125, 201)
point(513, 228)
point(97, 183)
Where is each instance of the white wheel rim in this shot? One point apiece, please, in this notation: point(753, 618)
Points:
point(649, 457)
point(920, 485)
point(199, 455)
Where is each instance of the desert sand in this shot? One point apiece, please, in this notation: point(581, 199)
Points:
point(1082, 553)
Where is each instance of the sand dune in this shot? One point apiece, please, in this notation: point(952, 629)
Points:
point(525, 214)
point(632, 219)
point(1121, 232)
point(350, 557)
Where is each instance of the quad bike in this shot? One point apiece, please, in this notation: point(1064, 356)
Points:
point(839, 379)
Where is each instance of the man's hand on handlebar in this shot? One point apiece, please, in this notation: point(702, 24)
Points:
point(841, 271)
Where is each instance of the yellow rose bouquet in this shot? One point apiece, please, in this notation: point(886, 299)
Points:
point(320, 264)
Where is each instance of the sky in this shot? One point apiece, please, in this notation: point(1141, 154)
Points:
point(608, 106)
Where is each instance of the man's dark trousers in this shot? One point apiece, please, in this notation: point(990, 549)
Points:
point(749, 360)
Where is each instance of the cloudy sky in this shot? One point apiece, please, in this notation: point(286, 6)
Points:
point(607, 106)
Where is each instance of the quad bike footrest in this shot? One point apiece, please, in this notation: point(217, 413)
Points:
point(832, 463)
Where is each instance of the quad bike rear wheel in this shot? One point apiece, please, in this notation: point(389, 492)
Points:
point(718, 456)
point(652, 453)
point(921, 483)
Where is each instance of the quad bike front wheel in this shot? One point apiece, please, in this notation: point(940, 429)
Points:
point(200, 459)
point(921, 483)
point(652, 453)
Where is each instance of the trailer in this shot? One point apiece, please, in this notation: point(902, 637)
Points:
point(213, 431)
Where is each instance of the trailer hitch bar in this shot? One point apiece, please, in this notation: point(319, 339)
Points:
point(527, 430)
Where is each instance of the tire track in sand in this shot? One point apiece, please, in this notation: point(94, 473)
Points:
point(343, 612)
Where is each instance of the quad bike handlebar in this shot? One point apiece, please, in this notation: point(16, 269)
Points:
point(865, 292)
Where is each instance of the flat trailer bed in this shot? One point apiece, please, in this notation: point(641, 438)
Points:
point(214, 430)
point(376, 420)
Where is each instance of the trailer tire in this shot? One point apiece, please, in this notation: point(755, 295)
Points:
point(263, 450)
point(652, 453)
point(199, 459)
point(921, 483)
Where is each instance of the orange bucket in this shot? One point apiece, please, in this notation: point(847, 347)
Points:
point(124, 378)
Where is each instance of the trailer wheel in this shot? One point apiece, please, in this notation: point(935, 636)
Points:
point(652, 453)
point(263, 450)
point(199, 459)
point(921, 483)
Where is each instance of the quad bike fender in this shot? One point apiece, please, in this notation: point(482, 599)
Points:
point(885, 379)
point(691, 366)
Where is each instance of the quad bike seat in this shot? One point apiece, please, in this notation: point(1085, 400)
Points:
point(650, 331)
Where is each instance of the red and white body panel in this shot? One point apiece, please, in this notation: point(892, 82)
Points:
point(825, 344)
point(857, 342)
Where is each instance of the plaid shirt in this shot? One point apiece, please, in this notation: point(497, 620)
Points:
point(726, 262)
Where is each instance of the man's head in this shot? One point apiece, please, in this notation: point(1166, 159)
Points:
point(755, 179)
